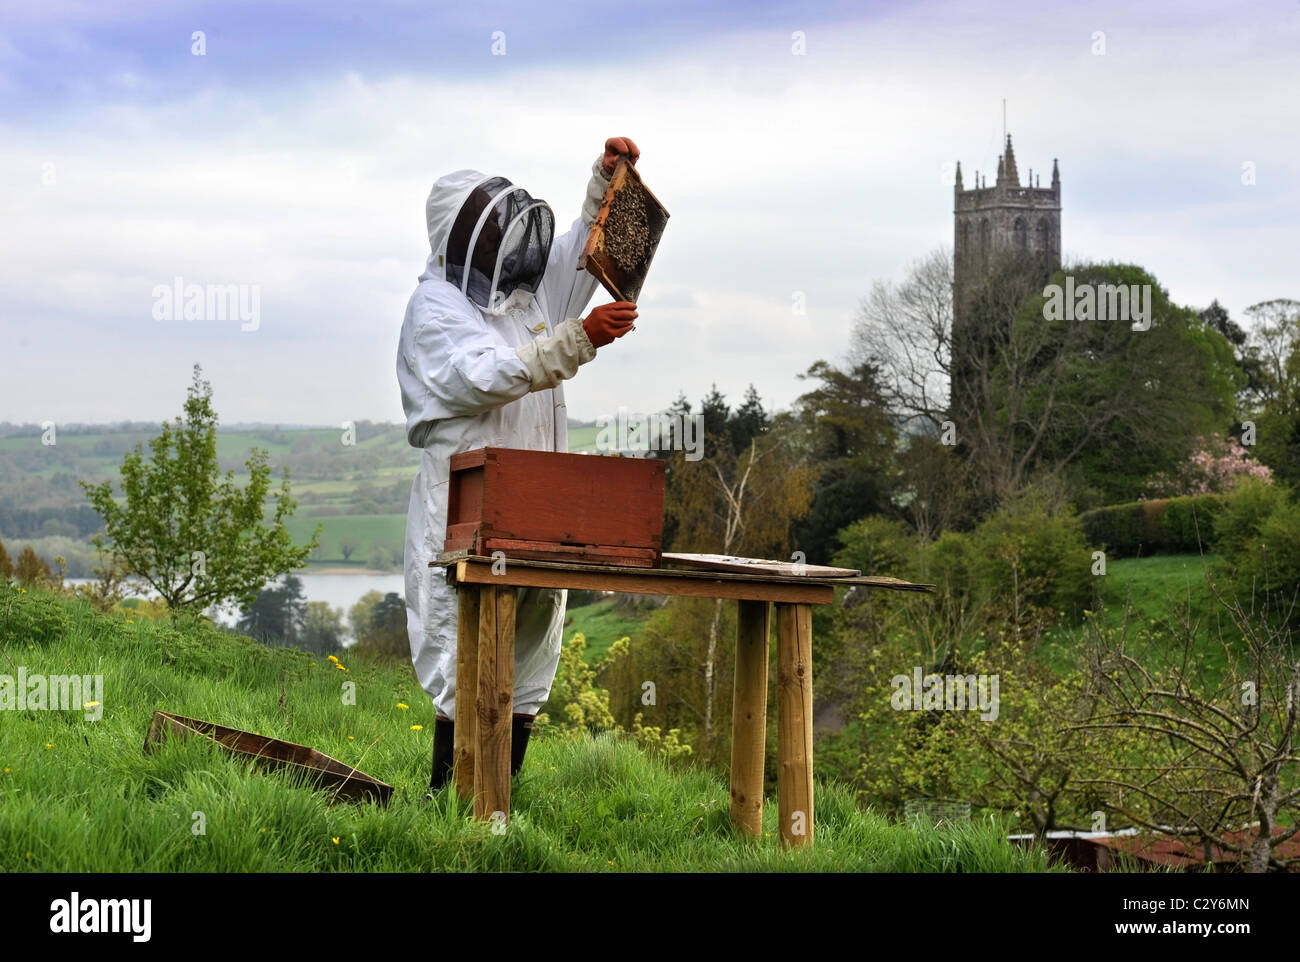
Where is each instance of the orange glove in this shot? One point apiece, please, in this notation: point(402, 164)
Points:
point(617, 146)
point(608, 322)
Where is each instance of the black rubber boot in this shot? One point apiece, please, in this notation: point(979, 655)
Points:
point(443, 754)
point(521, 726)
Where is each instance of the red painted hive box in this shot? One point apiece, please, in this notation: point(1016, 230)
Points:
point(547, 506)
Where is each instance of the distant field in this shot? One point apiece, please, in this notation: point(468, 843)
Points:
point(583, 439)
point(363, 531)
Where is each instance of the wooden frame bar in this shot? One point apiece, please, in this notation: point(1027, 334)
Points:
point(496, 695)
point(795, 723)
point(467, 619)
point(749, 716)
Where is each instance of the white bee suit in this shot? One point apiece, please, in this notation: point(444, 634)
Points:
point(473, 377)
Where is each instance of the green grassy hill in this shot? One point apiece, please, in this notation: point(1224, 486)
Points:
point(80, 796)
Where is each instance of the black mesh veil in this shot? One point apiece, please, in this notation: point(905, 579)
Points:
point(499, 242)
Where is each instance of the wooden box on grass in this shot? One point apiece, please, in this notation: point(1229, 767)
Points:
point(547, 506)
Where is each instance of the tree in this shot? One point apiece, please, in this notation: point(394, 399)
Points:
point(346, 547)
point(933, 483)
point(31, 569)
point(1275, 345)
point(847, 433)
point(1217, 318)
point(322, 629)
point(6, 566)
point(383, 633)
point(196, 537)
point(1066, 394)
point(1272, 342)
point(278, 614)
point(109, 586)
point(904, 331)
point(734, 500)
point(361, 613)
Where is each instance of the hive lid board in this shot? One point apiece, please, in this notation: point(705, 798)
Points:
point(723, 562)
point(273, 754)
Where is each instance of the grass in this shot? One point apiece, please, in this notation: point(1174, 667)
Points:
point(1153, 588)
point(602, 624)
point(1152, 583)
point(81, 796)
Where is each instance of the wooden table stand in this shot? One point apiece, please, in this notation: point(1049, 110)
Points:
point(485, 676)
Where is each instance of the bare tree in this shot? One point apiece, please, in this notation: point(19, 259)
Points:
point(1217, 764)
point(906, 329)
point(1273, 336)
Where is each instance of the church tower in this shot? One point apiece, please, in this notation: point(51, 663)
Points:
point(995, 227)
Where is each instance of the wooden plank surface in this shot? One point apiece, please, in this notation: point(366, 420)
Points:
point(749, 716)
point(645, 581)
point(669, 575)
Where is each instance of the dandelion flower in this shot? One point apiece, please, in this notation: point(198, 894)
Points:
point(6, 771)
point(49, 744)
point(352, 738)
point(403, 705)
point(334, 659)
point(335, 840)
point(416, 728)
point(91, 704)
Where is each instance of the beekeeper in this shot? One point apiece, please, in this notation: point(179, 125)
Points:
point(490, 334)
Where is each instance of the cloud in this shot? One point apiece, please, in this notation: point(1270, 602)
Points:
point(813, 174)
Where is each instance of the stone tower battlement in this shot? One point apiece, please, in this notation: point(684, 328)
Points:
point(1005, 219)
point(1009, 226)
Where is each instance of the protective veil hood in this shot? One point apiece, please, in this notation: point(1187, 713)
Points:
point(489, 238)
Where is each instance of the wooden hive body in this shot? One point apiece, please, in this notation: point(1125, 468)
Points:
point(549, 506)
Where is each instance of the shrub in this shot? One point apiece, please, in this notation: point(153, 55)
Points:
point(1161, 525)
point(30, 618)
point(1260, 544)
point(878, 546)
point(1243, 514)
point(1039, 552)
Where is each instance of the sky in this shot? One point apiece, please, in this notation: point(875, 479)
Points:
point(803, 151)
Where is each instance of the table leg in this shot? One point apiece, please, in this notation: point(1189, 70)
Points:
point(749, 716)
point(496, 696)
point(467, 618)
point(795, 721)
